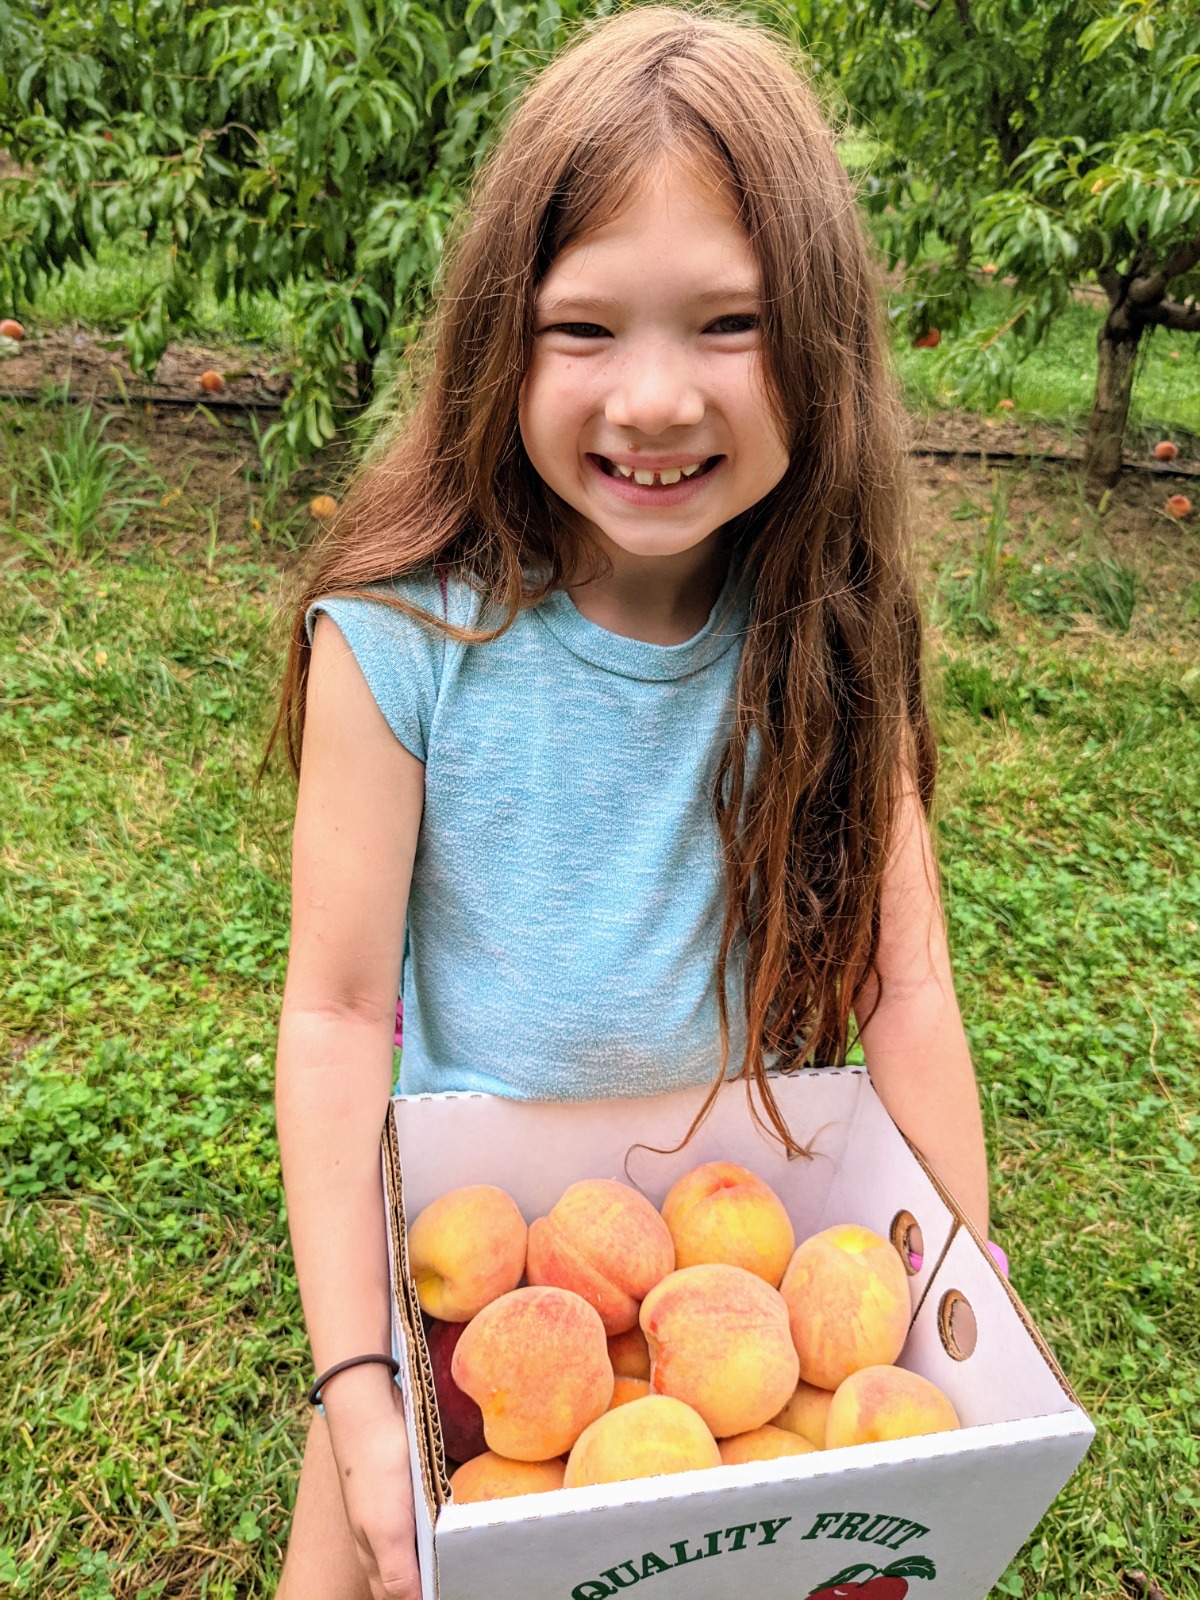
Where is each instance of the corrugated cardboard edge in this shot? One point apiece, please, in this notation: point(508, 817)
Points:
point(434, 1477)
point(962, 1221)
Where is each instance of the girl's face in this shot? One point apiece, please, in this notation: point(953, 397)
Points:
point(645, 405)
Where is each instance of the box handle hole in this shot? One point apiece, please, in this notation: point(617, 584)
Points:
point(957, 1325)
point(907, 1240)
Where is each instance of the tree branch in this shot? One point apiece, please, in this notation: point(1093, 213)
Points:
point(1182, 259)
point(1181, 315)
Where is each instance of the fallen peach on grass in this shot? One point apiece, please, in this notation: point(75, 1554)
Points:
point(805, 1413)
point(719, 1341)
point(657, 1435)
point(465, 1250)
point(722, 1212)
point(493, 1477)
point(886, 1403)
point(767, 1443)
point(847, 1296)
point(535, 1362)
point(605, 1241)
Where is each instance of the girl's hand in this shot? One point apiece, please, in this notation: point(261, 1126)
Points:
point(370, 1446)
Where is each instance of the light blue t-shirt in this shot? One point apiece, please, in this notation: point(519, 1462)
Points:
point(567, 890)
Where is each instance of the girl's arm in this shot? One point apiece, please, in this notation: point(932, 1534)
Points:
point(357, 817)
point(914, 1043)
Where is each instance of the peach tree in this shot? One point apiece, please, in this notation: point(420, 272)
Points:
point(1057, 141)
point(313, 146)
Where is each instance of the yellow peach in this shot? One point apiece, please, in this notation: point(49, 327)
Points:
point(721, 1212)
point(604, 1241)
point(627, 1389)
point(805, 1413)
point(465, 1250)
point(493, 1477)
point(657, 1435)
point(763, 1444)
point(847, 1296)
point(629, 1354)
point(886, 1403)
point(719, 1341)
point(535, 1362)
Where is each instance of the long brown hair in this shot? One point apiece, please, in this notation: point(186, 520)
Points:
point(830, 717)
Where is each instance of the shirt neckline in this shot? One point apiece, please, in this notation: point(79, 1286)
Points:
point(638, 658)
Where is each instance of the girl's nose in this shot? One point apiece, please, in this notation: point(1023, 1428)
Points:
point(652, 393)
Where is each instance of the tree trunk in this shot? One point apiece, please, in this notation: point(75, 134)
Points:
point(1117, 345)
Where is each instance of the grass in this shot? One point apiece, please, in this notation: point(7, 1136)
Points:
point(1055, 384)
point(105, 295)
point(150, 1433)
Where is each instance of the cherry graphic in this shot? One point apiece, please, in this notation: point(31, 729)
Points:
point(889, 1584)
point(876, 1588)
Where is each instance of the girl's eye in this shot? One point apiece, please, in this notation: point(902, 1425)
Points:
point(740, 322)
point(578, 330)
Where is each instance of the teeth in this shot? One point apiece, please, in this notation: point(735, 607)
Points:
point(666, 477)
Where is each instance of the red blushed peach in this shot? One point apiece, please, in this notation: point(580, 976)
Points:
point(465, 1250)
point(721, 1212)
point(763, 1444)
point(536, 1364)
point(492, 1477)
point(629, 1354)
point(886, 1403)
point(604, 1241)
point(657, 1435)
point(847, 1296)
point(719, 1341)
point(805, 1413)
point(461, 1422)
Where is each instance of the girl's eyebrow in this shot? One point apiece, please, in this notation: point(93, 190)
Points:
point(602, 302)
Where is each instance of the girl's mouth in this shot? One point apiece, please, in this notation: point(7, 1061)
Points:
point(664, 486)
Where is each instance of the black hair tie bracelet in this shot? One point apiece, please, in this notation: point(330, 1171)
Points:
point(314, 1394)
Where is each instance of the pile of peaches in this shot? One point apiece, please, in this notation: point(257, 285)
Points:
point(609, 1341)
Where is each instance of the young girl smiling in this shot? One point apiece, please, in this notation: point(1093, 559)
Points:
point(615, 751)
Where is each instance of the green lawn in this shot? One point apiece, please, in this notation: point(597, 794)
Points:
point(149, 1320)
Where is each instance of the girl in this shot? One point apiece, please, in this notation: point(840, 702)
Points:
point(615, 750)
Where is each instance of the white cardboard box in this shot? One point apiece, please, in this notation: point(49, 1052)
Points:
point(946, 1513)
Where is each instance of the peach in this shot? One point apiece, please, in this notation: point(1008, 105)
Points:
point(629, 1354)
point(493, 1477)
point(886, 1403)
point(459, 1416)
point(535, 1362)
point(211, 382)
point(719, 1341)
point(606, 1242)
point(723, 1212)
point(805, 1413)
point(1178, 505)
point(465, 1250)
point(322, 506)
point(847, 1296)
point(627, 1389)
point(1166, 450)
point(767, 1443)
point(657, 1435)
point(10, 328)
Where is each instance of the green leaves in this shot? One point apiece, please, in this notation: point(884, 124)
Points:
point(314, 145)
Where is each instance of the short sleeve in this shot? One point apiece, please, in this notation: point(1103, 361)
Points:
point(401, 659)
